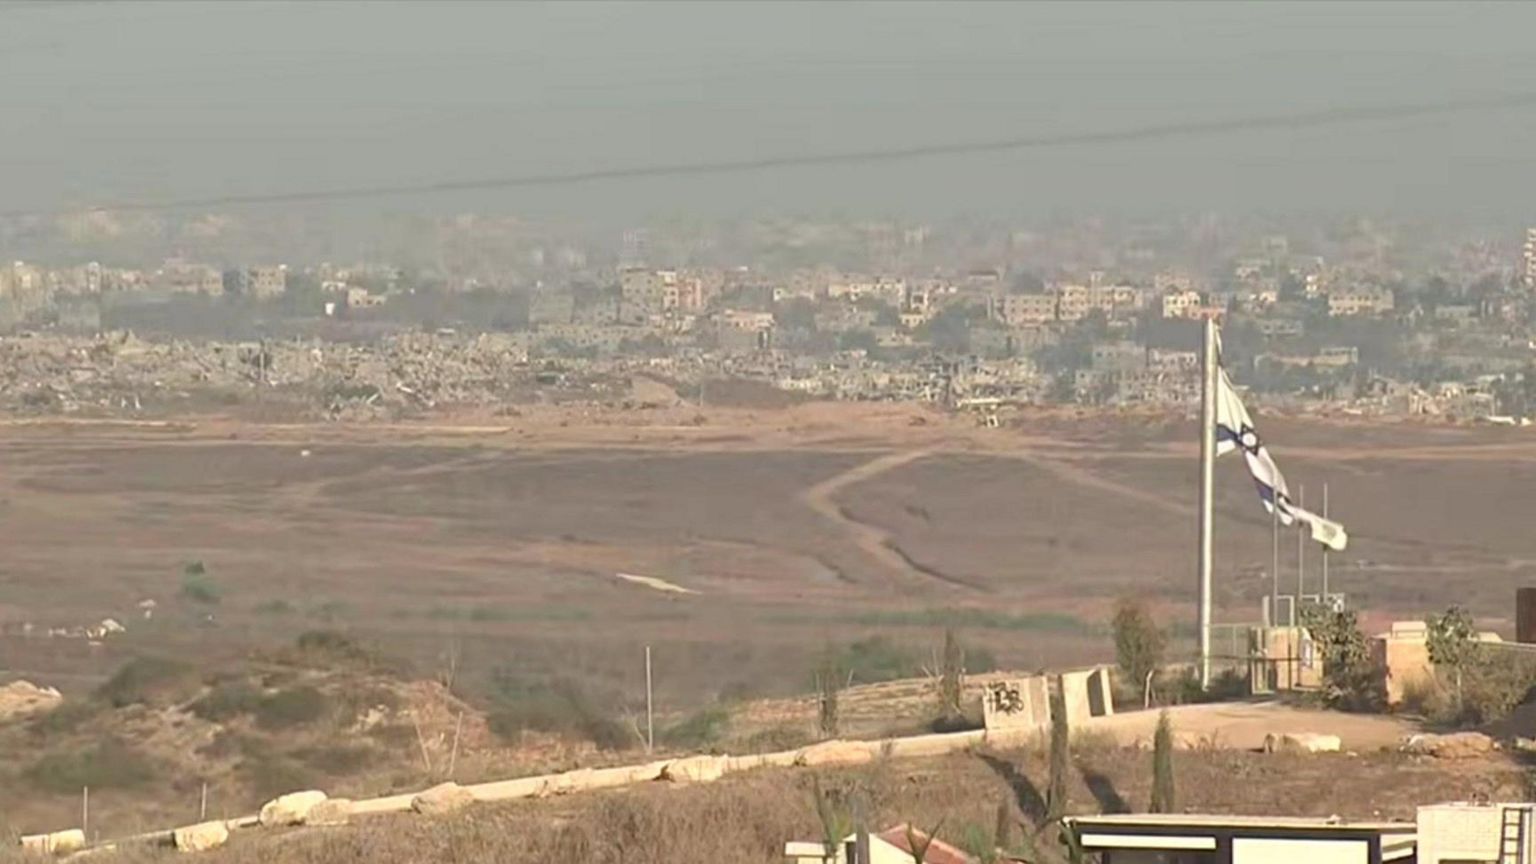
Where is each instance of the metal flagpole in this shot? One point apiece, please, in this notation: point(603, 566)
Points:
point(650, 715)
point(1325, 546)
point(1301, 556)
point(1207, 488)
point(1274, 567)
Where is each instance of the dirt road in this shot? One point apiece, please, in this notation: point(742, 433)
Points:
point(1243, 725)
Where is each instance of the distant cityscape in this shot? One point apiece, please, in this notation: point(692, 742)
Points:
point(1354, 317)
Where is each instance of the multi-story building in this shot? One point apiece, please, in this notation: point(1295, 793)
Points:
point(1360, 300)
point(646, 294)
point(185, 277)
point(551, 306)
point(886, 289)
point(266, 282)
point(1530, 258)
point(1181, 304)
point(1020, 310)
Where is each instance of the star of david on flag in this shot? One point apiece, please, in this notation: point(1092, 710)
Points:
point(1235, 431)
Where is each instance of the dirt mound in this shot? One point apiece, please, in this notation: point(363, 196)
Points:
point(319, 718)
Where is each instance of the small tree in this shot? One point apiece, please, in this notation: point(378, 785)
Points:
point(951, 679)
point(1139, 642)
point(1452, 644)
point(1056, 794)
point(920, 843)
point(828, 682)
point(832, 813)
point(1162, 766)
point(1349, 679)
point(1002, 828)
point(198, 586)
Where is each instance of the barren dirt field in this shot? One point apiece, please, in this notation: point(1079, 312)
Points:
point(761, 535)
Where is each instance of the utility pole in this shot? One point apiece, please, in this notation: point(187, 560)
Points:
point(650, 717)
point(1208, 381)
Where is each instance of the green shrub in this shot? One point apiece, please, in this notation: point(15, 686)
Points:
point(979, 660)
point(288, 708)
point(331, 610)
point(147, 681)
point(269, 776)
point(199, 587)
point(872, 660)
point(1494, 684)
point(785, 736)
point(394, 735)
point(111, 764)
point(699, 730)
point(227, 700)
point(337, 759)
point(70, 715)
point(1183, 687)
point(560, 707)
point(274, 607)
point(322, 649)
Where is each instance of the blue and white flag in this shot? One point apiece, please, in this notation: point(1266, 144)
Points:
point(1235, 431)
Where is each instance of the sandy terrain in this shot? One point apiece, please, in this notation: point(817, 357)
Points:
point(796, 527)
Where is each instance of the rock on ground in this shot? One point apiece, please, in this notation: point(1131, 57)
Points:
point(442, 798)
point(290, 809)
point(201, 837)
point(1456, 745)
point(1301, 742)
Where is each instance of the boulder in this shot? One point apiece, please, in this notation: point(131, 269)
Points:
point(331, 811)
point(1456, 745)
point(695, 769)
point(56, 843)
point(200, 837)
point(838, 753)
point(290, 809)
point(1301, 742)
point(442, 798)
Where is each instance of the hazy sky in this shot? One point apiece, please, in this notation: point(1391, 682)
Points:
point(109, 102)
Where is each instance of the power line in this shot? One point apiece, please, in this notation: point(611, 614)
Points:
point(1300, 120)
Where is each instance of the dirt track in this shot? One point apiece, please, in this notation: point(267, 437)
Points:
point(1243, 725)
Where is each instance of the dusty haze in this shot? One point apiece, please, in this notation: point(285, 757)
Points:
point(111, 103)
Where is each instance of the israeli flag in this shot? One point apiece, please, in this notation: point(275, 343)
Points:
point(1235, 431)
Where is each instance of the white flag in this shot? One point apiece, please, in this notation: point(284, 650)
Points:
point(1235, 431)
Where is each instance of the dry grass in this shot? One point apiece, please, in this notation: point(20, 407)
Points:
point(499, 548)
point(748, 818)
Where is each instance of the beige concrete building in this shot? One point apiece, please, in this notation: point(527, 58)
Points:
point(266, 282)
point(1362, 300)
point(1022, 310)
point(1402, 653)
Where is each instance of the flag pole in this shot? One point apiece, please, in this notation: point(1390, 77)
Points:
point(1274, 565)
point(1301, 555)
point(1207, 488)
point(1325, 547)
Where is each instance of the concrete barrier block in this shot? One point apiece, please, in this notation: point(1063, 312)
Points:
point(839, 753)
point(54, 843)
point(200, 837)
point(388, 804)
